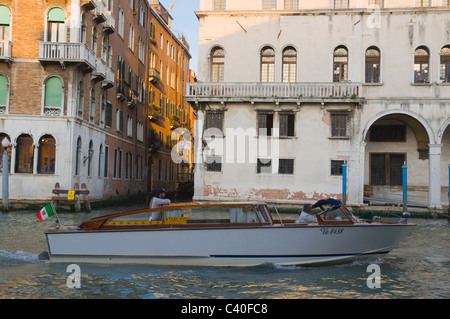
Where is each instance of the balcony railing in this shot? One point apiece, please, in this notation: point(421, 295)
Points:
point(66, 52)
point(5, 49)
point(154, 75)
point(110, 77)
point(287, 91)
point(99, 73)
point(109, 24)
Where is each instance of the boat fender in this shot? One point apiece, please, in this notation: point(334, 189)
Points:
point(44, 256)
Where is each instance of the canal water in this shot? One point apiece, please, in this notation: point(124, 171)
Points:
point(418, 268)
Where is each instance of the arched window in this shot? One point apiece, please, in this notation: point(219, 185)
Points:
point(4, 26)
point(3, 94)
point(421, 64)
point(92, 105)
point(56, 29)
point(78, 157)
point(47, 155)
point(217, 64)
point(3, 136)
point(53, 92)
point(373, 65)
point(340, 64)
point(90, 156)
point(445, 64)
point(267, 64)
point(24, 154)
point(289, 65)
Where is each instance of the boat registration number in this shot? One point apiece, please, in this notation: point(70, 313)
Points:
point(332, 231)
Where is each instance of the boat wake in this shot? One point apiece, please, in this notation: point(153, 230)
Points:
point(26, 257)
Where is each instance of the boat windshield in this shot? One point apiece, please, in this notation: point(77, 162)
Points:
point(210, 214)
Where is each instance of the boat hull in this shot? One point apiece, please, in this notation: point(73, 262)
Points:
point(230, 246)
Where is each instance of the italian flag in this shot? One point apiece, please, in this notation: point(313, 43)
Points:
point(45, 212)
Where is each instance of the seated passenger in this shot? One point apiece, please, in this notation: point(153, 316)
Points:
point(157, 201)
point(306, 216)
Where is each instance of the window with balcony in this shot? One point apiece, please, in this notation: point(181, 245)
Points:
point(373, 57)
point(53, 96)
point(4, 28)
point(422, 3)
point(24, 154)
point(267, 64)
point(269, 4)
point(4, 94)
point(340, 64)
point(217, 64)
point(341, 4)
point(47, 155)
point(290, 4)
point(289, 65)
point(56, 29)
point(445, 64)
point(220, 5)
point(421, 65)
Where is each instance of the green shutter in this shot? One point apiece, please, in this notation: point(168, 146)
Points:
point(56, 15)
point(3, 90)
point(4, 15)
point(53, 92)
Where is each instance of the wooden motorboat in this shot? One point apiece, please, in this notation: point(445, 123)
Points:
point(224, 234)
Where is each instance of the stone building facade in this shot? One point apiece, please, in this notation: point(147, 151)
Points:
point(364, 83)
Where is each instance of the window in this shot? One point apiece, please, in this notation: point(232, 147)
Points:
point(340, 64)
point(89, 158)
point(263, 166)
point(388, 133)
point(92, 105)
point(289, 65)
point(100, 160)
point(286, 167)
point(265, 124)
point(421, 64)
point(267, 65)
point(373, 65)
point(422, 3)
point(78, 157)
point(94, 40)
point(386, 169)
point(121, 22)
point(47, 155)
point(4, 26)
point(336, 167)
point(56, 30)
point(290, 4)
point(269, 4)
point(287, 121)
point(108, 115)
point(338, 125)
point(53, 93)
point(376, 4)
point(446, 3)
point(214, 119)
point(80, 98)
point(131, 38)
point(214, 164)
point(220, 5)
point(3, 94)
point(217, 64)
point(445, 64)
point(129, 126)
point(341, 4)
point(119, 120)
point(24, 154)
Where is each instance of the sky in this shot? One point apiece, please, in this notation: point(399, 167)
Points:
point(185, 22)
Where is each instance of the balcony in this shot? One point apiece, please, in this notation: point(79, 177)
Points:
point(99, 74)
point(108, 82)
point(109, 24)
point(154, 75)
point(67, 52)
point(88, 4)
point(274, 92)
point(6, 51)
point(123, 90)
point(100, 12)
point(154, 112)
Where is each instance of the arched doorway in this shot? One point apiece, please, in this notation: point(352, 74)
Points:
point(392, 140)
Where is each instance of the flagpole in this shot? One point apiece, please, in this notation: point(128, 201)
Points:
point(56, 214)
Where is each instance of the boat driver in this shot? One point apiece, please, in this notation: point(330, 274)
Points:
point(306, 215)
point(157, 201)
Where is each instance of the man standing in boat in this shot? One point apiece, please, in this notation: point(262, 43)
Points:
point(306, 215)
point(157, 201)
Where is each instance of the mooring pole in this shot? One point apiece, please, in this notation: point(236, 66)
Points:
point(5, 175)
point(344, 183)
point(405, 187)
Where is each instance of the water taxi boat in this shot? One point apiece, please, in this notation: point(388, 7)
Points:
point(226, 234)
